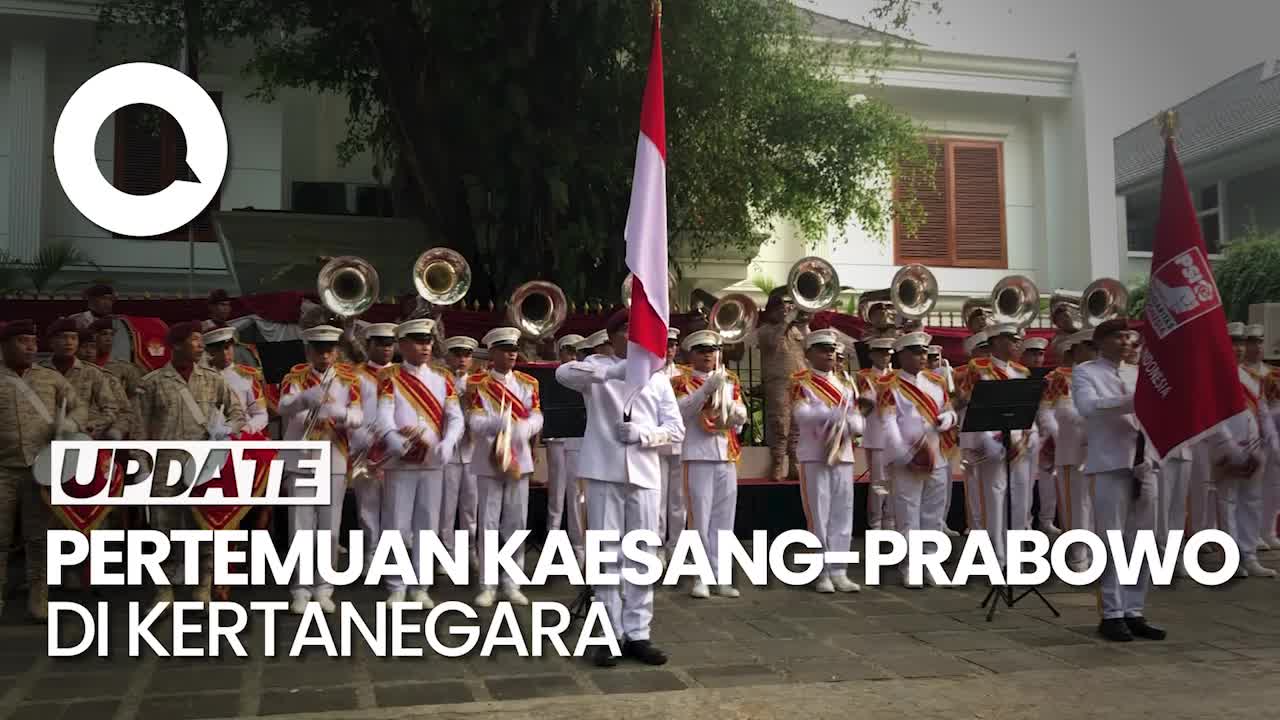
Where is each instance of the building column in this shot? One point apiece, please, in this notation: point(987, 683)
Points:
point(28, 149)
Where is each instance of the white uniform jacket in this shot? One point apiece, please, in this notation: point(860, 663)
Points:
point(652, 409)
point(301, 390)
point(872, 438)
point(912, 412)
point(1104, 401)
point(485, 395)
point(421, 398)
point(246, 384)
point(702, 440)
point(818, 401)
point(989, 444)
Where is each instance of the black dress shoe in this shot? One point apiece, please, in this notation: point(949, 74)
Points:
point(604, 657)
point(1116, 630)
point(644, 651)
point(1140, 628)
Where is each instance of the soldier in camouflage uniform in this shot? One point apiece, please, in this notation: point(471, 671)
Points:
point(126, 372)
point(94, 387)
point(30, 397)
point(781, 340)
point(163, 410)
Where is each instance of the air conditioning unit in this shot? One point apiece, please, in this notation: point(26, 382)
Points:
point(1268, 316)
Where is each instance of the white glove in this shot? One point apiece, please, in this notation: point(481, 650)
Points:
point(333, 412)
point(628, 434)
point(946, 421)
point(437, 455)
point(218, 429)
point(714, 382)
point(618, 371)
point(355, 418)
point(360, 438)
point(396, 444)
point(992, 445)
point(311, 397)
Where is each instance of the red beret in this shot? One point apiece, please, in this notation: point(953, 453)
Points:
point(98, 291)
point(62, 325)
point(14, 328)
point(219, 296)
point(617, 320)
point(101, 324)
point(181, 331)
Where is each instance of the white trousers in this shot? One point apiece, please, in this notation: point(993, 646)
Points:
point(880, 508)
point(452, 513)
point(919, 498)
point(1116, 508)
point(504, 507)
point(315, 518)
point(827, 495)
point(995, 507)
point(1202, 496)
point(564, 494)
point(712, 489)
point(672, 515)
point(369, 503)
point(1075, 489)
point(410, 505)
point(1171, 512)
point(1047, 494)
point(623, 507)
point(974, 503)
point(1270, 497)
point(1241, 502)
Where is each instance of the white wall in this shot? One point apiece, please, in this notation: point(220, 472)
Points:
point(316, 123)
point(4, 146)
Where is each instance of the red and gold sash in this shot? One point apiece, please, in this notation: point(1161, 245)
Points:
point(822, 387)
point(223, 517)
point(422, 400)
point(1251, 399)
point(87, 518)
point(499, 393)
point(302, 377)
point(688, 384)
point(948, 441)
point(1059, 387)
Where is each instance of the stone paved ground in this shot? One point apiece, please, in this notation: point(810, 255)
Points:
point(776, 649)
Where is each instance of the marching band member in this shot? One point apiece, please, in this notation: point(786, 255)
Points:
point(827, 414)
point(939, 365)
point(459, 504)
point(1269, 382)
point(184, 401)
point(30, 397)
point(245, 381)
point(974, 347)
point(933, 359)
point(672, 515)
point(1112, 446)
point(711, 450)
point(564, 495)
point(1033, 352)
point(1059, 419)
point(380, 346)
point(620, 462)
point(1239, 455)
point(420, 419)
point(331, 389)
point(915, 415)
point(583, 350)
point(880, 505)
point(503, 415)
point(988, 447)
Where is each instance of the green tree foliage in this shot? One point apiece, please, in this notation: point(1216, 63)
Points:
point(1249, 273)
point(510, 128)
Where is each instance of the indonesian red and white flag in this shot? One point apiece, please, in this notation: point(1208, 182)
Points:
point(1187, 382)
point(646, 232)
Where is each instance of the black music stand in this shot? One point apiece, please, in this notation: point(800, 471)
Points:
point(1004, 406)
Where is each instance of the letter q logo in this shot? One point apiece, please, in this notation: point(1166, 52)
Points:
point(140, 84)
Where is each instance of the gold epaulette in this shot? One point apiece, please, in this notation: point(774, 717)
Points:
point(885, 379)
point(248, 371)
point(799, 374)
point(934, 378)
point(1020, 368)
point(525, 378)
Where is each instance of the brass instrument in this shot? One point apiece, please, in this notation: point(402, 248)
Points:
point(813, 285)
point(733, 318)
point(912, 293)
point(626, 290)
point(1104, 299)
point(504, 456)
point(313, 415)
point(1015, 300)
point(441, 276)
point(537, 308)
point(348, 286)
point(977, 314)
point(362, 467)
point(1064, 311)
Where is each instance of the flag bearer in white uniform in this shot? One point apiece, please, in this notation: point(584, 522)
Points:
point(672, 517)
point(620, 463)
point(420, 419)
point(1033, 352)
point(564, 498)
point(1269, 381)
point(711, 449)
point(1123, 493)
point(1239, 455)
point(880, 505)
point(380, 345)
point(459, 502)
point(988, 449)
point(827, 414)
point(914, 411)
point(332, 390)
point(504, 413)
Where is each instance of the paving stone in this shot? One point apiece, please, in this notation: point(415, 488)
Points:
point(92, 709)
point(924, 663)
point(1095, 655)
point(167, 681)
point(775, 628)
point(1271, 653)
point(783, 650)
point(80, 685)
point(705, 653)
point(518, 688)
point(416, 669)
point(1005, 661)
point(278, 702)
point(872, 644)
point(206, 705)
point(917, 623)
point(955, 640)
point(506, 664)
point(612, 682)
point(1044, 637)
point(430, 693)
point(811, 671)
point(310, 672)
point(720, 676)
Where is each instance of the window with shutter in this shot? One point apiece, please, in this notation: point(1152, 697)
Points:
point(150, 153)
point(964, 221)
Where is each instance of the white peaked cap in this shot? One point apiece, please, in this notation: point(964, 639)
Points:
point(882, 343)
point(701, 337)
point(673, 334)
point(569, 341)
point(322, 333)
point(460, 342)
point(1035, 343)
point(913, 339)
point(1004, 329)
point(1253, 331)
point(935, 349)
point(382, 330)
point(594, 340)
point(420, 326)
point(501, 336)
point(1236, 329)
point(219, 335)
point(973, 341)
point(1082, 336)
point(820, 337)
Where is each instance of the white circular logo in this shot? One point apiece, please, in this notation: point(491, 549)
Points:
point(77, 166)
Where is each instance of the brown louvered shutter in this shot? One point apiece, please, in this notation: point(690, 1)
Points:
point(979, 205)
point(203, 223)
point(931, 243)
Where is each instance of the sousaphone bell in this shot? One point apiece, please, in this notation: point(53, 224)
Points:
point(537, 308)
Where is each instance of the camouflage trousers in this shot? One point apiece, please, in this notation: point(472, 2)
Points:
point(19, 493)
point(777, 429)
